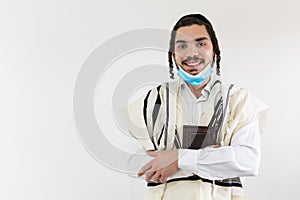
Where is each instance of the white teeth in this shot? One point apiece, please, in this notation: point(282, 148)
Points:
point(192, 64)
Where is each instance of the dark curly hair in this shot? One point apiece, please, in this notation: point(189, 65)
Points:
point(189, 20)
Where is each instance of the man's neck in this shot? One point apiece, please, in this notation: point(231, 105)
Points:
point(197, 90)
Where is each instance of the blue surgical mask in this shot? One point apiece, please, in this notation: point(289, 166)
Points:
point(198, 79)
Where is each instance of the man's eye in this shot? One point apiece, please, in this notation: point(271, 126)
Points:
point(182, 46)
point(202, 44)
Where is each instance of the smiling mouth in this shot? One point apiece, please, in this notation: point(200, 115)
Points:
point(193, 64)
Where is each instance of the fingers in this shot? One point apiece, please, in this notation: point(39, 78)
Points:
point(162, 179)
point(148, 166)
point(155, 177)
point(145, 168)
point(153, 153)
point(161, 167)
point(149, 175)
point(152, 174)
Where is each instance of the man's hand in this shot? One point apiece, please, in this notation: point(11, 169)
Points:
point(164, 164)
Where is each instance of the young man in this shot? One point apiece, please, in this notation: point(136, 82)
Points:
point(203, 135)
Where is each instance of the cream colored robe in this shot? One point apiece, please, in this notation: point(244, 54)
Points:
point(240, 109)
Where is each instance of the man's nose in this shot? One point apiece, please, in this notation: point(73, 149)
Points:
point(192, 51)
point(189, 58)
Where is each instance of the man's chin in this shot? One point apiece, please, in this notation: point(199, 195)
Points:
point(192, 66)
point(193, 72)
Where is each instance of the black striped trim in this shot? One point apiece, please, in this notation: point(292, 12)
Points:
point(145, 107)
point(228, 184)
point(227, 98)
point(189, 178)
point(224, 183)
point(214, 125)
point(160, 136)
point(167, 115)
point(145, 116)
point(215, 83)
point(156, 107)
point(177, 140)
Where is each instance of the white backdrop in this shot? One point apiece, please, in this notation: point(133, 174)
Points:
point(43, 45)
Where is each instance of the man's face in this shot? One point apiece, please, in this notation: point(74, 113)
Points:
point(193, 48)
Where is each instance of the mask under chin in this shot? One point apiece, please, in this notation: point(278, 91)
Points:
point(198, 79)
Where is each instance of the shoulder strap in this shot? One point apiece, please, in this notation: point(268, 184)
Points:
point(225, 96)
point(167, 114)
point(170, 109)
point(227, 99)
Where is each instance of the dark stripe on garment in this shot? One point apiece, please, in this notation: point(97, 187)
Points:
point(230, 184)
point(214, 125)
point(218, 114)
point(145, 107)
point(224, 183)
point(189, 178)
point(177, 140)
point(215, 83)
point(160, 136)
point(167, 115)
point(156, 107)
point(227, 99)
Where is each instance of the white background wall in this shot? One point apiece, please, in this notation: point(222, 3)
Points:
point(43, 45)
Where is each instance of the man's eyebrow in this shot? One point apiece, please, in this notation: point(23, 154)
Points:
point(181, 41)
point(197, 40)
point(201, 38)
